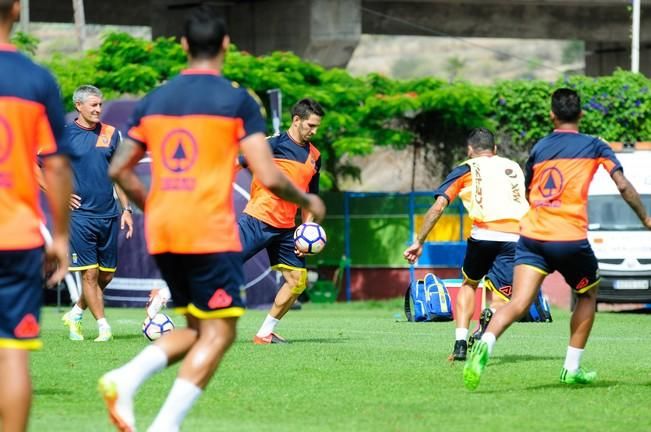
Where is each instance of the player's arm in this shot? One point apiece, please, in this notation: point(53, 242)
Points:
point(57, 177)
point(258, 154)
point(122, 198)
point(307, 216)
point(313, 188)
point(240, 163)
point(631, 196)
point(432, 216)
point(54, 151)
point(446, 193)
point(40, 179)
point(126, 219)
point(121, 171)
point(528, 175)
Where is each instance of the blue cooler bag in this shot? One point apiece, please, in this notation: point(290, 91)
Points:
point(539, 310)
point(430, 298)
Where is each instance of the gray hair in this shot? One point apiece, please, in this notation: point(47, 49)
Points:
point(82, 93)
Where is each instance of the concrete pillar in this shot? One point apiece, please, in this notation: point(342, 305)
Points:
point(335, 30)
point(324, 31)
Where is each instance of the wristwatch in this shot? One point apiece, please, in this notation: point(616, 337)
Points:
point(128, 209)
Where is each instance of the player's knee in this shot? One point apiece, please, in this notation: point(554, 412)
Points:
point(217, 336)
point(297, 281)
point(223, 341)
point(90, 275)
point(519, 306)
point(105, 278)
point(590, 294)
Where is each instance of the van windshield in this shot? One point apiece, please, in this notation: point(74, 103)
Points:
point(611, 213)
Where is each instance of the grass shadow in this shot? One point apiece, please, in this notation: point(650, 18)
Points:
point(507, 359)
point(51, 391)
point(301, 341)
point(554, 386)
point(320, 340)
point(578, 387)
point(503, 360)
point(129, 336)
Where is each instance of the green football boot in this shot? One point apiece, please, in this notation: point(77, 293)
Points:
point(475, 365)
point(580, 376)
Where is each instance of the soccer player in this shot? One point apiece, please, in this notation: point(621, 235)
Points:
point(492, 190)
point(193, 127)
point(268, 222)
point(96, 219)
point(553, 234)
point(31, 118)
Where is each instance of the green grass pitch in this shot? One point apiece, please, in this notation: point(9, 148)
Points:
point(360, 367)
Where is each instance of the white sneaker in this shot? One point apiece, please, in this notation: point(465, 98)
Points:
point(105, 335)
point(157, 301)
point(118, 402)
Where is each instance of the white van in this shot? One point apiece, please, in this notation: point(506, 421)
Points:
point(619, 240)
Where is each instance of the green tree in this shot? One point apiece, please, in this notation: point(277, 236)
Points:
point(371, 111)
point(25, 42)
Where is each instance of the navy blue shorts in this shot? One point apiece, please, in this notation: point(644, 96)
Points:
point(94, 243)
point(204, 285)
point(492, 259)
point(256, 235)
point(575, 260)
point(21, 295)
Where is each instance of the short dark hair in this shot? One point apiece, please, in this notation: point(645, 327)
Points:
point(305, 107)
point(5, 7)
point(566, 105)
point(481, 139)
point(204, 30)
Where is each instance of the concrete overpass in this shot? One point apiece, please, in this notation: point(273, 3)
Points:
point(327, 31)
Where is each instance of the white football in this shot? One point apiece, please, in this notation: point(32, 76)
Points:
point(154, 328)
point(310, 238)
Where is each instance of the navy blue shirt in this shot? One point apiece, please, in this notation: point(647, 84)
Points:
point(31, 122)
point(94, 148)
point(192, 126)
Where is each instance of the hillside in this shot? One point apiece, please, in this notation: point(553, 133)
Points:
point(481, 61)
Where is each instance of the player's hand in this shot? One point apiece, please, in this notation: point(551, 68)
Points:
point(316, 207)
point(647, 222)
point(299, 253)
point(75, 201)
point(127, 220)
point(414, 251)
point(56, 259)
